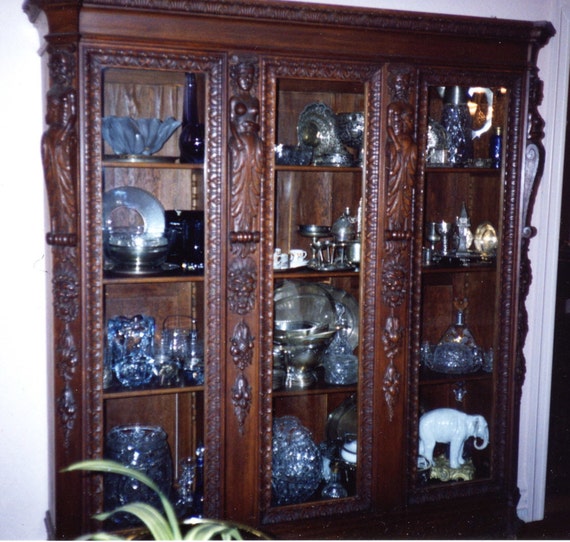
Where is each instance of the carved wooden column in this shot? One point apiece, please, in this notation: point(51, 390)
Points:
point(246, 169)
point(399, 185)
point(59, 149)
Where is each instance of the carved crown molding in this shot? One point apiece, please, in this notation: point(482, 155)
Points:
point(315, 14)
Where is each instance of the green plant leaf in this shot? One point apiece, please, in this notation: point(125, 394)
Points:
point(108, 466)
point(208, 529)
point(100, 536)
point(149, 515)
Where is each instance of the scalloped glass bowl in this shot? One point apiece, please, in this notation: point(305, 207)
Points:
point(137, 137)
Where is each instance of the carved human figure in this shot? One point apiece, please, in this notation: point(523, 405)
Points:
point(59, 145)
point(402, 155)
point(246, 149)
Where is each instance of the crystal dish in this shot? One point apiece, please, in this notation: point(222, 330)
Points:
point(141, 202)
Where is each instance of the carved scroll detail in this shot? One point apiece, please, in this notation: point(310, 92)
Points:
point(532, 163)
point(242, 281)
point(392, 342)
point(246, 157)
point(401, 152)
point(59, 148)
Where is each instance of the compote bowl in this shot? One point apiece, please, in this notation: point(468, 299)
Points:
point(315, 233)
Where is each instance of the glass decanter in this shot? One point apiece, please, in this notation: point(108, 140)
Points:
point(334, 488)
point(457, 352)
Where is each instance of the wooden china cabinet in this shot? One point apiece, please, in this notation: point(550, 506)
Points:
point(399, 153)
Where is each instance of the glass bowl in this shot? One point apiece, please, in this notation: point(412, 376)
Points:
point(134, 250)
point(297, 463)
point(137, 137)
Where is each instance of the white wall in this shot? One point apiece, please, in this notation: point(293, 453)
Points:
point(23, 403)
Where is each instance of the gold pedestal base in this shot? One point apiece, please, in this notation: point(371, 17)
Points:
point(442, 471)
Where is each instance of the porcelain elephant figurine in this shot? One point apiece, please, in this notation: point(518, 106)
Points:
point(448, 425)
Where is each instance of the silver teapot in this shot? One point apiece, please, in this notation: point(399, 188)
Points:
point(344, 227)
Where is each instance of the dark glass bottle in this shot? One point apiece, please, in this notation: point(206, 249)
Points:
point(496, 147)
point(191, 141)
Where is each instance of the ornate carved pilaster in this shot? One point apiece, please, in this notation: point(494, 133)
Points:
point(246, 163)
point(59, 158)
point(401, 157)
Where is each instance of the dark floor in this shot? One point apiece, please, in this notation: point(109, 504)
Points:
point(556, 524)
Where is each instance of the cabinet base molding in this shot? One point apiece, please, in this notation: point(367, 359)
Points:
point(485, 519)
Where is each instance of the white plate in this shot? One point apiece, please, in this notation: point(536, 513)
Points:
point(297, 265)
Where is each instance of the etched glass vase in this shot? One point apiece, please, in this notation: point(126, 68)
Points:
point(140, 447)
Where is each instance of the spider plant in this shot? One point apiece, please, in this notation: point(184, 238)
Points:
point(161, 526)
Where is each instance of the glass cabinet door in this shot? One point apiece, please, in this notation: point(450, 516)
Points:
point(156, 357)
point(317, 362)
point(462, 356)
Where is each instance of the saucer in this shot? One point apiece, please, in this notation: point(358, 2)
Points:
point(299, 264)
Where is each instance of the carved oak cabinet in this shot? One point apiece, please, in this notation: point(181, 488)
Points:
point(380, 128)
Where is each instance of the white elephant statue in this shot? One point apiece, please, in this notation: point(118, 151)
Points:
point(448, 425)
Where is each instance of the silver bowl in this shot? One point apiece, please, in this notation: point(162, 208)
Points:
point(287, 329)
point(314, 230)
point(293, 155)
point(137, 137)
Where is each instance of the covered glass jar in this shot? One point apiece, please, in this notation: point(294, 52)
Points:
point(456, 352)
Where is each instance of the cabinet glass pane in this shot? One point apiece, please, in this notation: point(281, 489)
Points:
point(154, 310)
point(460, 282)
point(318, 196)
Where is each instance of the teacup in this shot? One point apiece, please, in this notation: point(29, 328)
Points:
point(297, 257)
point(280, 259)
